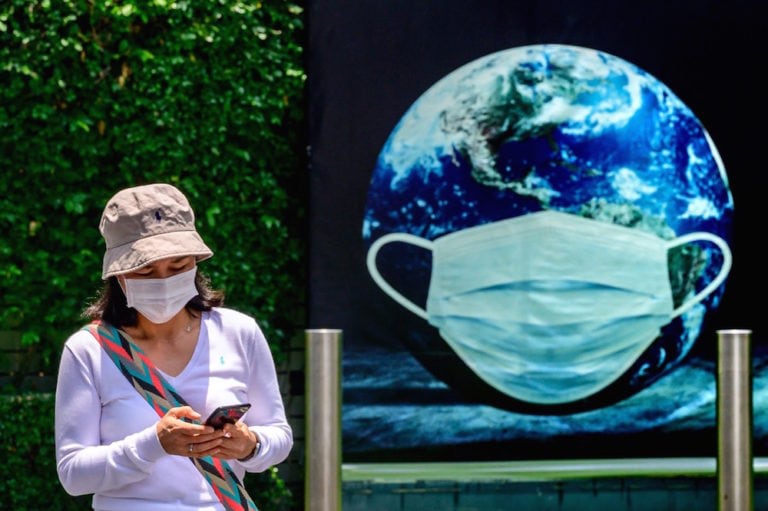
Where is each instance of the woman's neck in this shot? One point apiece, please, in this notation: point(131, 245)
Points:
point(182, 326)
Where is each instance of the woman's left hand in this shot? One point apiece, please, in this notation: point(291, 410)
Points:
point(238, 441)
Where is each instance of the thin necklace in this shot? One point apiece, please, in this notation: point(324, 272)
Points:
point(191, 322)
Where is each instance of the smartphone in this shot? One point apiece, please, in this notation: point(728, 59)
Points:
point(227, 414)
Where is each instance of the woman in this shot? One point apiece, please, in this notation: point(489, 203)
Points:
point(112, 439)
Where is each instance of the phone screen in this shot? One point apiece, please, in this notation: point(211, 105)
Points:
point(227, 414)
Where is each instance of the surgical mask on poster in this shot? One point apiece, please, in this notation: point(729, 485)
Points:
point(549, 307)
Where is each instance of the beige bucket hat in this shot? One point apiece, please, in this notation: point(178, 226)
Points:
point(146, 223)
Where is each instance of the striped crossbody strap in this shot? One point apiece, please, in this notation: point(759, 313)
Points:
point(147, 380)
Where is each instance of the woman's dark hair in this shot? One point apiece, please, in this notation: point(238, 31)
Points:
point(110, 305)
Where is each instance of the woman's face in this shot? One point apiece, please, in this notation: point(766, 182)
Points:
point(162, 269)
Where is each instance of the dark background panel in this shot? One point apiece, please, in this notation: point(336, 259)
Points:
point(369, 61)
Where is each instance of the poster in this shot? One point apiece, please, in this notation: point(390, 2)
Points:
point(499, 82)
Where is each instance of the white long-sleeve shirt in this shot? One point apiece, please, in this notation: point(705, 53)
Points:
point(106, 442)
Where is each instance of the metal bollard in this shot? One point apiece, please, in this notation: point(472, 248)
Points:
point(323, 416)
point(734, 421)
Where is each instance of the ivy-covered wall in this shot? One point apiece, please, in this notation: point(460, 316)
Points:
point(96, 96)
point(99, 95)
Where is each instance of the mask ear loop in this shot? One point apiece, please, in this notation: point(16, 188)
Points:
point(724, 270)
point(382, 283)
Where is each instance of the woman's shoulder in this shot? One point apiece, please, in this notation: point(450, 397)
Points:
point(227, 314)
point(82, 340)
point(230, 319)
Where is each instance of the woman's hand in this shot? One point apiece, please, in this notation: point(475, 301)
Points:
point(183, 438)
point(238, 441)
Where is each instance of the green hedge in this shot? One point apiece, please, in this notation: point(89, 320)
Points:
point(97, 96)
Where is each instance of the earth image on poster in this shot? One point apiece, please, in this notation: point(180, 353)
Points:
point(550, 139)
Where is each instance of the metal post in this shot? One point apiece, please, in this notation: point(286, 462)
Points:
point(323, 415)
point(734, 421)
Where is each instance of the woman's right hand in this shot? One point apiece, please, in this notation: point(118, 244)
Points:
point(179, 436)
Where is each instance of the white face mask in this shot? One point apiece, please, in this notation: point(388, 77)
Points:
point(549, 307)
point(161, 299)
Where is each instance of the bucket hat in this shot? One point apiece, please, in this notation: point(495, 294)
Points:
point(147, 223)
